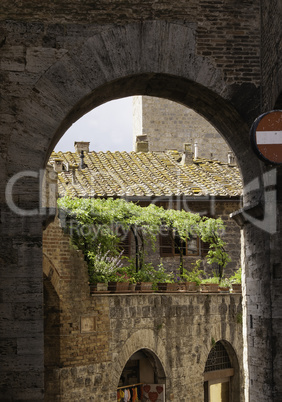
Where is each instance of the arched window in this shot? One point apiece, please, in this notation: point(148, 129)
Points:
point(218, 376)
point(143, 377)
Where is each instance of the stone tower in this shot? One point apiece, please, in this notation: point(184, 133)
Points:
point(176, 125)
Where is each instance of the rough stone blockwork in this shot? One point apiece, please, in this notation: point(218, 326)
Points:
point(60, 59)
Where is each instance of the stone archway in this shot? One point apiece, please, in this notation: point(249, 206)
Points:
point(134, 59)
point(143, 339)
point(222, 373)
point(143, 373)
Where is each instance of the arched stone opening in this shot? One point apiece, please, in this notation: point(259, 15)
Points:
point(222, 374)
point(143, 373)
point(137, 59)
point(214, 108)
point(125, 60)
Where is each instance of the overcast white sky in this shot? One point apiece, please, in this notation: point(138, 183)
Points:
point(107, 128)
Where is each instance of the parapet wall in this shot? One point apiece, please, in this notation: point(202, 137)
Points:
point(89, 339)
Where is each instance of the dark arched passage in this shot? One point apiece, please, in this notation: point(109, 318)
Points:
point(143, 374)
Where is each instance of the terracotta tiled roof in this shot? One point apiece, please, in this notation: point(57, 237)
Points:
point(144, 174)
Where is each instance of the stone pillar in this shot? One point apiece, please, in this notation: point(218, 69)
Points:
point(21, 304)
point(21, 294)
point(262, 280)
point(257, 315)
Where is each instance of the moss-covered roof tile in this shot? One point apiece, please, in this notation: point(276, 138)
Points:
point(137, 174)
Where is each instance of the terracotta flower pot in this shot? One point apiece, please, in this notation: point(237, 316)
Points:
point(100, 287)
point(181, 286)
point(236, 288)
point(144, 287)
point(191, 287)
point(118, 287)
point(122, 286)
point(209, 288)
point(172, 287)
point(162, 286)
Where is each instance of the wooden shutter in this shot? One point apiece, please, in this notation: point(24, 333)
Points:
point(125, 243)
point(166, 245)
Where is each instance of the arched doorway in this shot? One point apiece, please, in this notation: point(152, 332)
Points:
point(142, 376)
point(221, 375)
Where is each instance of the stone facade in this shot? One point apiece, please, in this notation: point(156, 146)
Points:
point(89, 339)
point(169, 125)
point(217, 209)
point(61, 59)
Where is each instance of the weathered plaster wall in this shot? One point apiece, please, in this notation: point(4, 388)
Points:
point(84, 363)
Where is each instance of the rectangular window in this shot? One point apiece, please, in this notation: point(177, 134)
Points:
point(172, 245)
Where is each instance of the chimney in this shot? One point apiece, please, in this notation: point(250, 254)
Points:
point(142, 143)
point(81, 146)
point(231, 159)
point(49, 188)
point(58, 165)
point(187, 158)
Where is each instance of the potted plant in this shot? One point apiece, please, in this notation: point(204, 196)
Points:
point(210, 285)
point(161, 278)
point(144, 278)
point(102, 269)
point(193, 278)
point(236, 281)
point(224, 285)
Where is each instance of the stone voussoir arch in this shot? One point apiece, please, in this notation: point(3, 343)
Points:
point(141, 339)
point(135, 59)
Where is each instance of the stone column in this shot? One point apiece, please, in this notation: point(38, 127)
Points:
point(21, 294)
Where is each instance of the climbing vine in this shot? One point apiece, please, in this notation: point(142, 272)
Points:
point(97, 226)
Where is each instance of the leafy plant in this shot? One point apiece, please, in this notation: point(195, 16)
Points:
point(237, 277)
point(225, 283)
point(102, 267)
point(193, 276)
point(93, 225)
point(213, 279)
point(146, 274)
point(160, 275)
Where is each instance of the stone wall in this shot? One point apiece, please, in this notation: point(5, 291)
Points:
point(271, 54)
point(89, 339)
point(216, 209)
point(61, 59)
point(169, 125)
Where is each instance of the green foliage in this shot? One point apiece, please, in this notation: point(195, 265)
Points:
point(103, 267)
point(237, 277)
point(239, 318)
point(213, 279)
point(225, 283)
point(193, 276)
point(161, 276)
point(93, 225)
point(146, 274)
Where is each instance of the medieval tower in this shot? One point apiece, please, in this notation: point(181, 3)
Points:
point(155, 118)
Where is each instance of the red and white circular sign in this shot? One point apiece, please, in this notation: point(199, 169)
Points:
point(266, 136)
